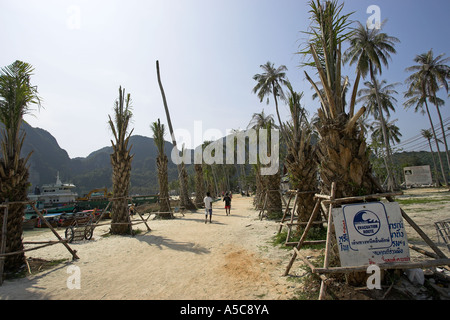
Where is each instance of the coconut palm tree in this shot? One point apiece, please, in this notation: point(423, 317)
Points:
point(301, 160)
point(393, 131)
point(370, 96)
point(386, 94)
point(121, 159)
point(159, 132)
point(417, 97)
point(369, 49)
point(428, 135)
point(271, 82)
point(17, 96)
point(429, 74)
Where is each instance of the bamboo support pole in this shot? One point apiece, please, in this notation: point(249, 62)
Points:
point(312, 267)
point(323, 285)
point(73, 252)
point(302, 239)
point(3, 241)
point(393, 265)
point(361, 198)
point(44, 244)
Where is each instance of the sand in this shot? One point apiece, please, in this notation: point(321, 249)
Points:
point(186, 259)
point(230, 258)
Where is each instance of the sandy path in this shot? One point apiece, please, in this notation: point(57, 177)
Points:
point(179, 259)
point(187, 259)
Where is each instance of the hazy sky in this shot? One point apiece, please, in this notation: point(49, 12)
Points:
point(208, 52)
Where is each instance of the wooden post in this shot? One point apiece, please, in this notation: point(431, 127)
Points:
point(3, 241)
point(285, 212)
point(294, 207)
point(73, 252)
point(305, 232)
point(323, 286)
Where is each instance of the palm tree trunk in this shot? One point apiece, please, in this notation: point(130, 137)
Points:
point(438, 184)
point(121, 165)
point(443, 133)
point(272, 187)
point(185, 200)
point(13, 187)
point(199, 186)
point(392, 185)
point(164, 205)
point(437, 144)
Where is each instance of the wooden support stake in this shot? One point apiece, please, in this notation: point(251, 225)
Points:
point(73, 252)
point(302, 239)
point(323, 286)
point(392, 265)
point(3, 241)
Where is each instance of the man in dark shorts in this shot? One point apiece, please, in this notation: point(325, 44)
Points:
point(227, 200)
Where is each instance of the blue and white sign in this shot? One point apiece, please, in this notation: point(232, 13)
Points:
point(369, 233)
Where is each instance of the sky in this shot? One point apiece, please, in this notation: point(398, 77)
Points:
point(208, 51)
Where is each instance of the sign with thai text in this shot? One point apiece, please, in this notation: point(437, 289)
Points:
point(370, 233)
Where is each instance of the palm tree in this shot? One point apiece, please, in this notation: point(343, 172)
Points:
point(384, 93)
point(199, 185)
point(429, 75)
point(369, 49)
point(342, 146)
point(17, 95)
point(121, 159)
point(268, 183)
point(301, 160)
point(417, 98)
point(428, 135)
point(393, 131)
point(159, 132)
point(185, 200)
point(342, 149)
point(270, 83)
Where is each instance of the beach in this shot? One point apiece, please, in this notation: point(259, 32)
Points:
point(186, 259)
point(183, 258)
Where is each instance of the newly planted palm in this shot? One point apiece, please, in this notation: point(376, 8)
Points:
point(121, 159)
point(269, 185)
point(17, 95)
point(342, 149)
point(301, 161)
point(158, 130)
point(369, 49)
point(199, 185)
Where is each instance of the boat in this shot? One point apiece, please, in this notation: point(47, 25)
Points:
point(51, 218)
point(54, 195)
point(29, 224)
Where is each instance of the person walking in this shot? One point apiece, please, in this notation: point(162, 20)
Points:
point(208, 207)
point(227, 200)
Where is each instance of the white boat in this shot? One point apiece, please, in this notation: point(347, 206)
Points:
point(54, 195)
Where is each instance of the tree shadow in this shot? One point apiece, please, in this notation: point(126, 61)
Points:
point(162, 242)
point(23, 285)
